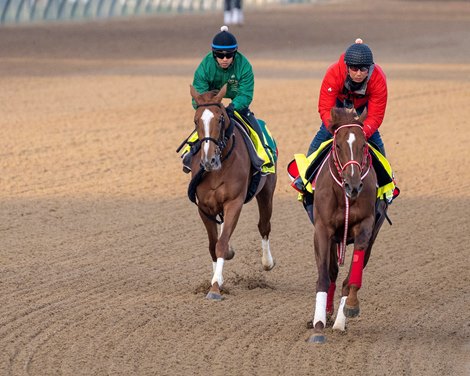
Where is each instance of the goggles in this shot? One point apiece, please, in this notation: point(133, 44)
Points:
point(222, 54)
point(355, 68)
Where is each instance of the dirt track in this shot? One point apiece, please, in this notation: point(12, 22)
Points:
point(103, 259)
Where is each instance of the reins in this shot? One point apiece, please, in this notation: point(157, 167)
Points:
point(339, 169)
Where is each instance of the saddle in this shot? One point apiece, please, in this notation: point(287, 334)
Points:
point(303, 171)
point(262, 159)
point(259, 164)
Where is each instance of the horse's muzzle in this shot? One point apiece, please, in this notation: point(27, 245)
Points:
point(352, 191)
point(212, 164)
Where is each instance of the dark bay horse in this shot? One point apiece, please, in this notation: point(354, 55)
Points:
point(344, 212)
point(224, 161)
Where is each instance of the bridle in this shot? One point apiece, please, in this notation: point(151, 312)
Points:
point(224, 134)
point(366, 158)
point(366, 162)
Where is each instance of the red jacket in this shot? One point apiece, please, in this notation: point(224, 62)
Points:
point(375, 95)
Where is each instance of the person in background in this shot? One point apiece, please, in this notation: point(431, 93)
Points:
point(233, 13)
point(354, 81)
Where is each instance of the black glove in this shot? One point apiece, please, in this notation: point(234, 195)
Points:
point(230, 109)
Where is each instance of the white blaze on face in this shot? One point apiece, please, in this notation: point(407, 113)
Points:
point(351, 140)
point(206, 118)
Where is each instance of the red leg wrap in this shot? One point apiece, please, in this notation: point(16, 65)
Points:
point(330, 298)
point(355, 278)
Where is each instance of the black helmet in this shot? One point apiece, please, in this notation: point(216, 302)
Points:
point(224, 41)
point(359, 54)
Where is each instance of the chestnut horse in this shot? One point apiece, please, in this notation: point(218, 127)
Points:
point(344, 212)
point(226, 170)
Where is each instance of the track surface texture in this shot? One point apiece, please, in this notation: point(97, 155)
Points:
point(104, 262)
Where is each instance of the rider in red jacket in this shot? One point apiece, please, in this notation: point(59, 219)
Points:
point(354, 81)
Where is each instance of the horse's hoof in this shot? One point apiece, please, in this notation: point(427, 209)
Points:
point(317, 338)
point(268, 268)
point(351, 311)
point(230, 254)
point(214, 296)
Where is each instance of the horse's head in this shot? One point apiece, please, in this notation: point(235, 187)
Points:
point(350, 150)
point(211, 120)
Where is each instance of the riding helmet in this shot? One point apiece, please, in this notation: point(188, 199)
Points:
point(359, 55)
point(224, 41)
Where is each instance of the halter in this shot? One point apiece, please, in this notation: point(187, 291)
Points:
point(366, 161)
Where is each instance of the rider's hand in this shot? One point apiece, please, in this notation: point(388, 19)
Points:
point(230, 109)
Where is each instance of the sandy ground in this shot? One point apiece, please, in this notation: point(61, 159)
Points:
point(103, 259)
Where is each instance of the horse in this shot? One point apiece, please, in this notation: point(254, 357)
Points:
point(344, 213)
point(225, 166)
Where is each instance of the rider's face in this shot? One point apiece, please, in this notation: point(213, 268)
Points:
point(224, 58)
point(358, 75)
point(224, 62)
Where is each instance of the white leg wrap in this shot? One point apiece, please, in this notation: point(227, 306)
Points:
point(320, 309)
point(218, 272)
point(340, 322)
point(267, 258)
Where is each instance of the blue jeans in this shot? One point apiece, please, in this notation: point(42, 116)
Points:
point(323, 135)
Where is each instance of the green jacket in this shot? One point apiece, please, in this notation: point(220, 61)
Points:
point(239, 78)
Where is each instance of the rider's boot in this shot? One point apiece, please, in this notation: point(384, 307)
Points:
point(308, 205)
point(187, 162)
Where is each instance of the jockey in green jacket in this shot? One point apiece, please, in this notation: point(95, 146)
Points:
point(225, 65)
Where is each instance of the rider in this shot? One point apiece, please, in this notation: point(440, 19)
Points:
point(354, 81)
point(226, 65)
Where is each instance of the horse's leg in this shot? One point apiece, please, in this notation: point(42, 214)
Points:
point(322, 257)
point(333, 272)
point(211, 228)
point(265, 208)
point(222, 249)
point(362, 234)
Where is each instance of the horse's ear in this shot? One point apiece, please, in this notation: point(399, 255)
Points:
point(335, 116)
point(363, 115)
point(221, 94)
point(194, 93)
